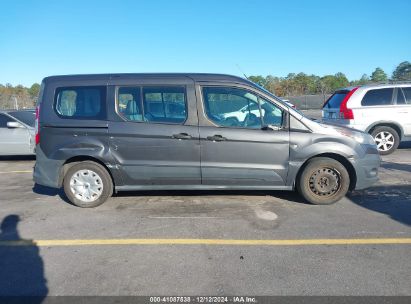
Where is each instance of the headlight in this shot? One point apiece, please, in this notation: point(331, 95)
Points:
point(370, 149)
point(369, 140)
point(359, 138)
point(364, 138)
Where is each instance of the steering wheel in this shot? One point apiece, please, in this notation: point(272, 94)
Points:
point(148, 117)
point(251, 120)
point(231, 122)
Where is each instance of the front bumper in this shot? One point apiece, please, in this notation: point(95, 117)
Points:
point(367, 170)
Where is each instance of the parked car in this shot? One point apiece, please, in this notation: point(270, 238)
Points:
point(289, 103)
point(97, 134)
point(17, 132)
point(384, 111)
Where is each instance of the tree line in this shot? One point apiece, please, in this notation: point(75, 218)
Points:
point(291, 85)
point(303, 84)
point(18, 96)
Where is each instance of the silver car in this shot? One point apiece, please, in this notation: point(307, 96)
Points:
point(17, 132)
point(383, 110)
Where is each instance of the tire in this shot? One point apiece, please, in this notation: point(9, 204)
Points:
point(87, 184)
point(386, 138)
point(323, 181)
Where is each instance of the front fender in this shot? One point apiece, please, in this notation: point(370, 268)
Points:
point(304, 146)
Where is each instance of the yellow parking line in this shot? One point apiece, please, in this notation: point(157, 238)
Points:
point(22, 171)
point(298, 242)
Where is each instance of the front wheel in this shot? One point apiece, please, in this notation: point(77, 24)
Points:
point(87, 184)
point(323, 181)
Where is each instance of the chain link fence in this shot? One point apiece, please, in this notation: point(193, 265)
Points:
point(16, 102)
point(308, 102)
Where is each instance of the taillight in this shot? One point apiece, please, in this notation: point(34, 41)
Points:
point(37, 125)
point(345, 112)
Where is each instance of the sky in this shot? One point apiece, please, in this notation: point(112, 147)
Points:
point(44, 37)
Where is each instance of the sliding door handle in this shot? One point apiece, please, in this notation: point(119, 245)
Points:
point(216, 138)
point(182, 136)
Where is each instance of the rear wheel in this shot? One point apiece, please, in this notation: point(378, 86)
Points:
point(386, 138)
point(87, 184)
point(323, 181)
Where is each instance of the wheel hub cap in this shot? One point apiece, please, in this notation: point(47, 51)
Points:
point(325, 182)
point(86, 185)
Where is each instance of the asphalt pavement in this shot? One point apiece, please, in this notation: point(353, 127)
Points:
point(183, 242)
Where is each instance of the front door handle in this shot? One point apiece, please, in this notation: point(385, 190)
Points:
point(182, 136)
point(216, 138)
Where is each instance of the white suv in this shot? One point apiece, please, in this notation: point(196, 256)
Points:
point(384, 111)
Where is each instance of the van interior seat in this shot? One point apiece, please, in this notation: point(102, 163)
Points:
point(132, 111)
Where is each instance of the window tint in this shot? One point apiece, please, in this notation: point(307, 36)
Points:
point(272, 115)
point(4, 119)
point(27, 117)
point(400, 97)
point(379, 97)
point(129, 103)
point(335, 100)
point(164, 104)
point(407, 95)
point(81, 102)
point(232, 107)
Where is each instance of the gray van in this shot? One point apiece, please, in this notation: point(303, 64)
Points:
point(99, 134)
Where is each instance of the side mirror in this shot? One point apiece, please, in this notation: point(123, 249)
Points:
point(271, 128)
point(14, 125)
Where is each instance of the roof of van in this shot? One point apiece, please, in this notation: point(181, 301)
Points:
point(194, 76)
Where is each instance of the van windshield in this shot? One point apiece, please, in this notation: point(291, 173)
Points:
point(335, 100)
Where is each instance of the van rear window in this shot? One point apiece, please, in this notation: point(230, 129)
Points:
point(81, 102)
point(335, 100)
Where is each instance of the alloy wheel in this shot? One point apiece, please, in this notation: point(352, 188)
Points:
point(384, 140)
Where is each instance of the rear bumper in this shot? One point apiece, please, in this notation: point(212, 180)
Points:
point(47, 171)
point(367, 170)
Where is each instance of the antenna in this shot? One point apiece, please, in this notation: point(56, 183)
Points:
point(242, 72)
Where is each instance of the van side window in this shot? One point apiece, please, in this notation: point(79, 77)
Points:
point(380, 97)
point(272, 115)
point(81, 102)
point(129, 103)
point(407, 94)
point(232, 107)
point(164, 104)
